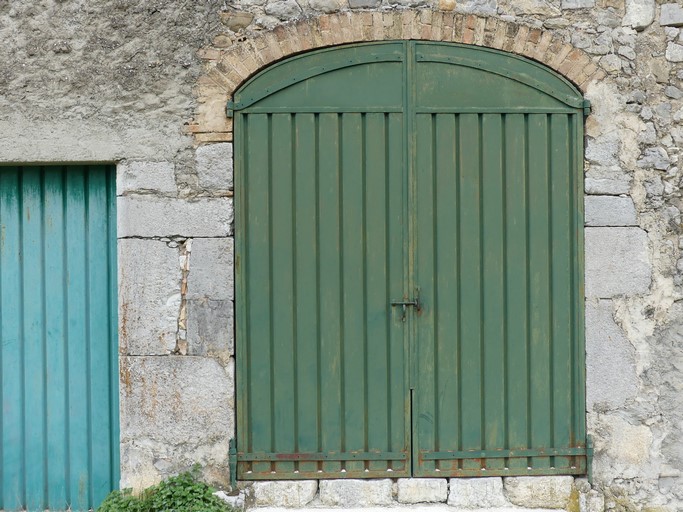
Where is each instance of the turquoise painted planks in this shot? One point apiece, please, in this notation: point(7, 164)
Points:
point(58, 337)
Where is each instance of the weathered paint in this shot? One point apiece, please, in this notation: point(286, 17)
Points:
point(58, 335)
point(459, 184)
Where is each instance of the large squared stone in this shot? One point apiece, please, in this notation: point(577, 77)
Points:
point(210, 330)
point(671, 15)
point(355, 493)
point(610, 359)
point(639, 13)
point(539, 491)
point(211, 269)
point(149, 296)
point(477, 492)
point(674, 52)
point(610, 211)
point(284, 493)
point(145, 177)
point(214, 166)
point(578, 4)
point(175, 411)
point(151, 216)
point(422, 490)
point(617, 262)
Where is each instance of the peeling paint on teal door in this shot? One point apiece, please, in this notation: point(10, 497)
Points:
point(58, 354)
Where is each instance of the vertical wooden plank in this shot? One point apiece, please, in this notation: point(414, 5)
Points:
point(447, 206)
point(32, 256)
point(283, 289)
point(578, 252)
point(426, 391)
point(306, 283)
point(561, 285)
point(12, 340)
point(98, 332)
point(494, 285)
point(55, 327)
point(516, 272)
point(113, 327)
point(539, 286)
point(353, 244)
point(377, 334)
point(77, 328)
point(470, 280)
point(258, 246)
point(242, 350)
point(399, 392)
point(330, 288)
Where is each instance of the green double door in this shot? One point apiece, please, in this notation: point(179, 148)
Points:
point(409, 284)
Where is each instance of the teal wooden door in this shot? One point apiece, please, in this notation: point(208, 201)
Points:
point(58, 350)
point(409, 266)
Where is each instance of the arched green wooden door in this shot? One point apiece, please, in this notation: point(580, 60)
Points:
point(409, 266)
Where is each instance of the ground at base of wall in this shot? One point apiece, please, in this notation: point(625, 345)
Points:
point(414, 508)
point(492, 494)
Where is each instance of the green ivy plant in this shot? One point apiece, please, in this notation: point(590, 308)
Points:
point(182, 493)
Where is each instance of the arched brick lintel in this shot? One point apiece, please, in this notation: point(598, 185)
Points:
point(226, 69)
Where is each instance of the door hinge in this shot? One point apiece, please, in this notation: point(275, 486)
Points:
point(589, 458)
point(230, 109)
point(586, 107)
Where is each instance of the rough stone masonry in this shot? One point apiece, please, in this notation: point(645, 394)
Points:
point(139, 83)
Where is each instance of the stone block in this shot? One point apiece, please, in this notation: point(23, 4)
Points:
point(671, 15)
point(283, 9)
point(674, 52)
point(284, 493)
point(603, 150)
point(235, 501)
point(154, 177)
point(149, 296)
point(578, 4)
point(364, 4)
point(542, 7)
point(610, 359)
point(610, 211)
point(422, 490)
point(211, 269)
point(612, 186)
point(214, 166)
point(150, 216)
point(210, 328)
point(592, 501)
point(656, 158)
point(639, 14)
point(617, 262)
point(175, 411)
point(355, 493)
point(539, 491)
point(477, 493)
point(627, 445)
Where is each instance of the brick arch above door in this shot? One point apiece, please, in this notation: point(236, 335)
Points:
point(225, 69)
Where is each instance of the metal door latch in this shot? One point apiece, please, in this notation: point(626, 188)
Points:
point(405, 303)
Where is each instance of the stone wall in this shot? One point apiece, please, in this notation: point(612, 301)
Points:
point(144, 84)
